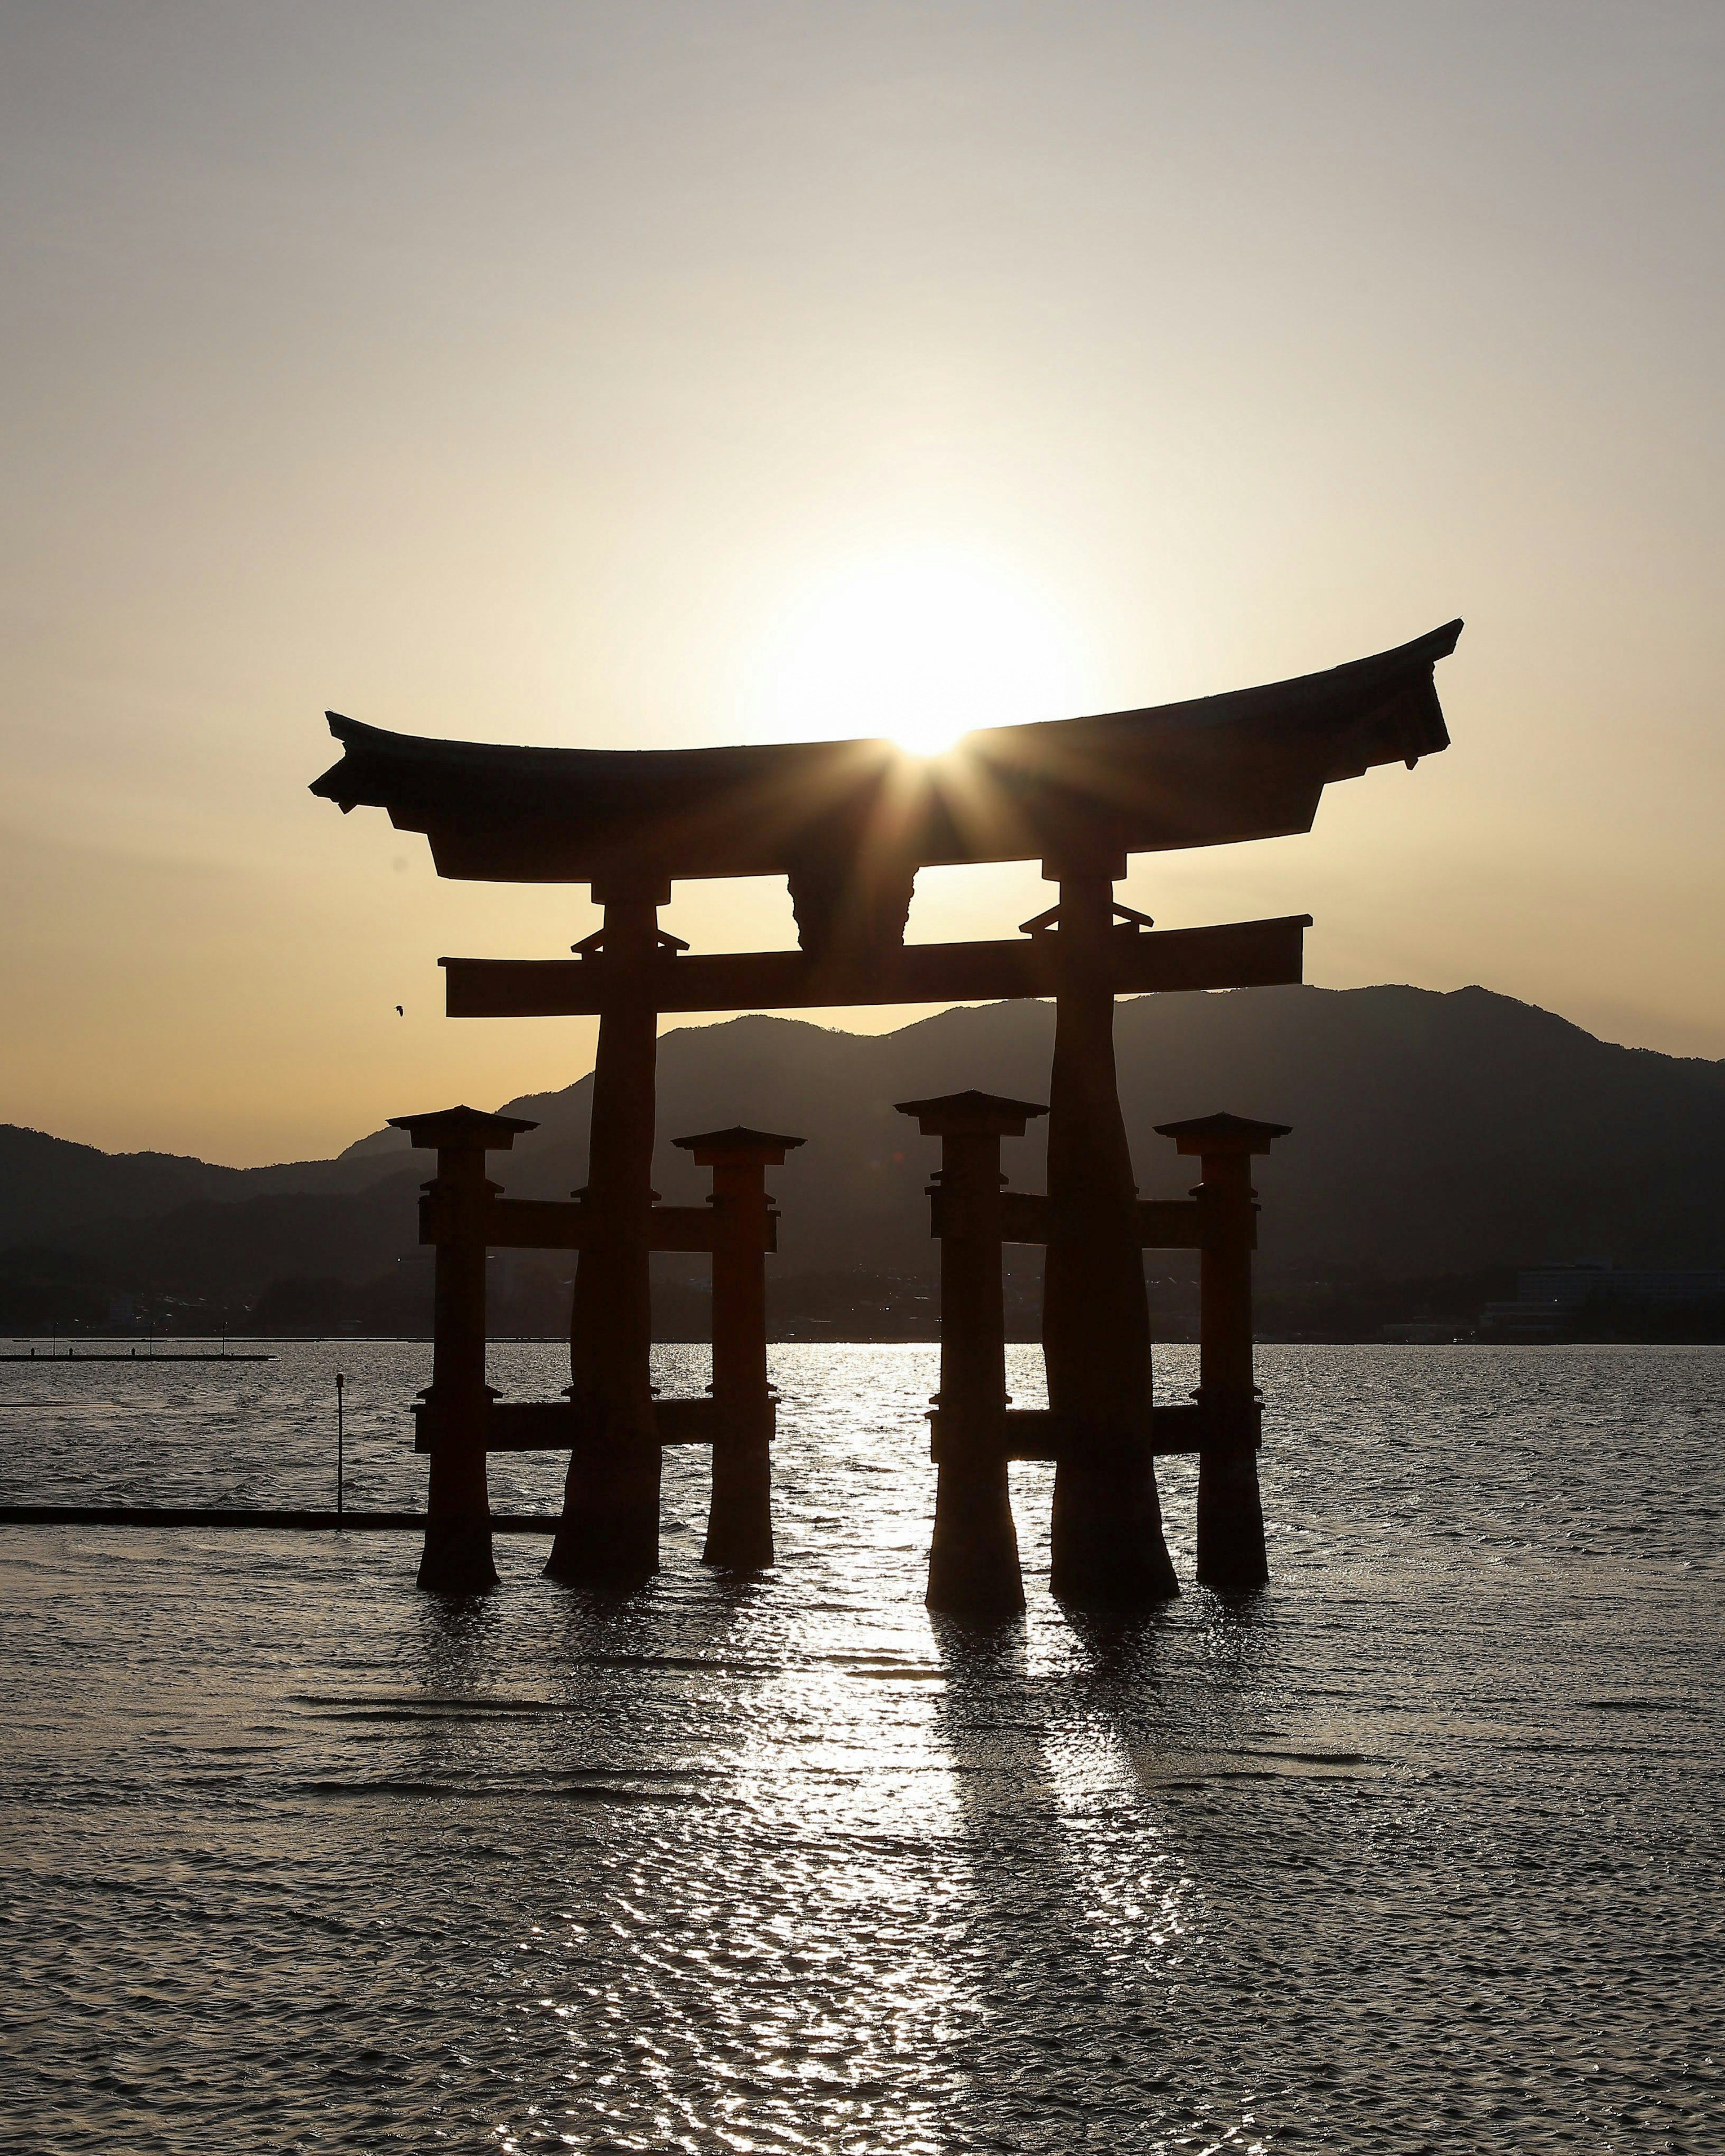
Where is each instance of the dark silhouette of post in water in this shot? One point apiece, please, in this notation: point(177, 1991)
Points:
point(1231, 1553)
point(1107, 1546)
point(457, 1556)
point(739, 1527)
point(973, 1556)
point(609, 1537)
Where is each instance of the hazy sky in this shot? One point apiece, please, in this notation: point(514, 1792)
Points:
point(651, 374)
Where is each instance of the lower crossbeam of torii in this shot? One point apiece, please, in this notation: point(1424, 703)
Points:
point(849, 824)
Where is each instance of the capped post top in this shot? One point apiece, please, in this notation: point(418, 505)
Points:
point(1211, 1135)
point(468, 1129)
point(972, 1115)
point(738, 1146)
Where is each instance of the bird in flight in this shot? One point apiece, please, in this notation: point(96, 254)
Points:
point(399, 1012)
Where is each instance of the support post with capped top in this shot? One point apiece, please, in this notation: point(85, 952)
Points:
point(739, 1527)
point(609, 1535)
point(1107, 1546)
point(973, 1556)
point(1231, 1555)
point(457, 1556)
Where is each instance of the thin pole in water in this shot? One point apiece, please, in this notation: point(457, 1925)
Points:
point(340, 1438)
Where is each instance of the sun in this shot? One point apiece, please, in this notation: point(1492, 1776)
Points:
point(921, 647)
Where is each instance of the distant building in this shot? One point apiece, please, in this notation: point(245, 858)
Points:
point(1549, 1298)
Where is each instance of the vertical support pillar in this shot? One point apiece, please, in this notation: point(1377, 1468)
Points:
point(1108, 1550)
point(457, 1556)
point(973, 1556)
point(1231, 1554)
point(609, 1535)
point(739, 1525)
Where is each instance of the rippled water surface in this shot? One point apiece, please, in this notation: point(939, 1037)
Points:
point(1417, 1850)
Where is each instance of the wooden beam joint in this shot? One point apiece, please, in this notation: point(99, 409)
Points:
point(1181, 1428)
point(548, 1223)
point(1246, 954)
point(560, 1425)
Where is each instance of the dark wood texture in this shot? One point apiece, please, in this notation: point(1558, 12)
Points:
point(974, 1555)
point(851, 821)
point(561, 1425)
point(1107, 1546)
point(739, 1530)
point(1246, 954)
point(609, 1537)
point(1040, 1433)
point(1164, 1223)
point(1232, 1553)
point(456, 1559)
point(457, 1555)
point(549, 1223)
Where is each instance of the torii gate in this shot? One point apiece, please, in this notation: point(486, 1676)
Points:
point(849, 824)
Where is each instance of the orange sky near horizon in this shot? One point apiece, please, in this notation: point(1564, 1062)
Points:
point(661, 374)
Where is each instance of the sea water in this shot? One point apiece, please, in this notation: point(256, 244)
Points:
point(1417, 1850)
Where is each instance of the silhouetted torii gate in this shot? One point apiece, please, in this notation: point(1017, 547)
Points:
point(849, 824)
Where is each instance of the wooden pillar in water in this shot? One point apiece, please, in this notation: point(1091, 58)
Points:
point(609, 1535)
point(457, 1556)
point(739, 1525)
point(1231, 1554)
point(973, 1556)
point(1108, 1551)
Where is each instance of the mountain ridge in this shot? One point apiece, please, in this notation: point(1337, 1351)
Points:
point(1433, 1131)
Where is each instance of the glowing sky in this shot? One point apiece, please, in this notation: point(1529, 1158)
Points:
point(656, 374)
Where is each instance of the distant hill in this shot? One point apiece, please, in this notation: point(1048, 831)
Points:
point(49, 1184)
point(1433, 1134)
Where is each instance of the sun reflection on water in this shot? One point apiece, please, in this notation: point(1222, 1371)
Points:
point(300, 1857)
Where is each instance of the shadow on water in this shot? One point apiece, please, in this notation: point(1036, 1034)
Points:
point(1065, 2029)
point(1046, 1991)
point(672, 1617)
point(1086, 1887)
point(455, 1639)
point(1197, 1674)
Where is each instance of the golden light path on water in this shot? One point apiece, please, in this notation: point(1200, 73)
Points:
point(1416, 1850)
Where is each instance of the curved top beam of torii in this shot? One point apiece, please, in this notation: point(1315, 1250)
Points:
point(1251, 764)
